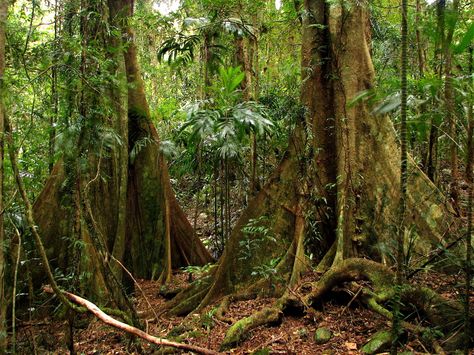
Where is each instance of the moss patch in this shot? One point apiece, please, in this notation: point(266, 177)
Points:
point(379, 342)
point(322, 335)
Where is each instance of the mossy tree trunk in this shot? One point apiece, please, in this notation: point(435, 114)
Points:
point(341, 172)
point(3, 262)
point(118, 200)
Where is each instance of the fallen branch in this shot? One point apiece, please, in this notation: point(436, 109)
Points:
point(128, 328)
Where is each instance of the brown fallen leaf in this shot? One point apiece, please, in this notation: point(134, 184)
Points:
point(351, 346)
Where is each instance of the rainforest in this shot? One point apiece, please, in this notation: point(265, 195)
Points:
point(234, 176)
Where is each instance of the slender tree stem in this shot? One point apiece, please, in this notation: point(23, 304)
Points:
point(469, 178)
point(15, 278)
point(403, 178)
point(54, 91)
point(3, 300)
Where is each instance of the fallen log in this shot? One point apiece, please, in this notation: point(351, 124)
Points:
point(91, 307)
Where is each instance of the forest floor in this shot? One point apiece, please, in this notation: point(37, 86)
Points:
point(350, 322)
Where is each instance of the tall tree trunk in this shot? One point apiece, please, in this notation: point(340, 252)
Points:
point(120, 99)
point(181, 248)
point(419, 42)
point(54, 91)
point(421, 48)
point(402, 227)
point(133, 213)
point(245, 48)
point(3, 298)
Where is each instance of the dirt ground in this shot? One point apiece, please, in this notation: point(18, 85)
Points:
point(350, 322)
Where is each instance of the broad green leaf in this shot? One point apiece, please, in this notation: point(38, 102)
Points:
point(465, 41)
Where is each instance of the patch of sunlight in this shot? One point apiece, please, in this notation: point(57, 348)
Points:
point(166, 7)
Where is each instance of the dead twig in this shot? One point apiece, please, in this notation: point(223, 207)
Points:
point(352, 300)
point(138, 286)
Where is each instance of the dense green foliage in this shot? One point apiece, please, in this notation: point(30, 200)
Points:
point(223, 80)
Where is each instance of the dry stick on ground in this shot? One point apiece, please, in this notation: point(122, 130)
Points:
point(91, 307)
point(356, 294)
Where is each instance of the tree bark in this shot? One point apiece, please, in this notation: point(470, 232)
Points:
point(402, 227)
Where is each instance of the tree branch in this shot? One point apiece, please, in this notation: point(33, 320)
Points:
point(91, 307)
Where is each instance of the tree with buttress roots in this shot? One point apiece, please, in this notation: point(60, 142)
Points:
point(339, 179)
point(116, 200)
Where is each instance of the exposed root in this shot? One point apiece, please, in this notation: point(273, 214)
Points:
point(226, 302)
point(189, 298)
point(371, 302)
point(445, 315)
point(437, 309)
point(271, 315)
point(188, 304)
point(268, 315)
point(353, 270)
point(223, 309)
point(327, 260)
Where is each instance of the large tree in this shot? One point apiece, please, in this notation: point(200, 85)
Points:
point(115, 198)
point(340, 173)
point(3, 263)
